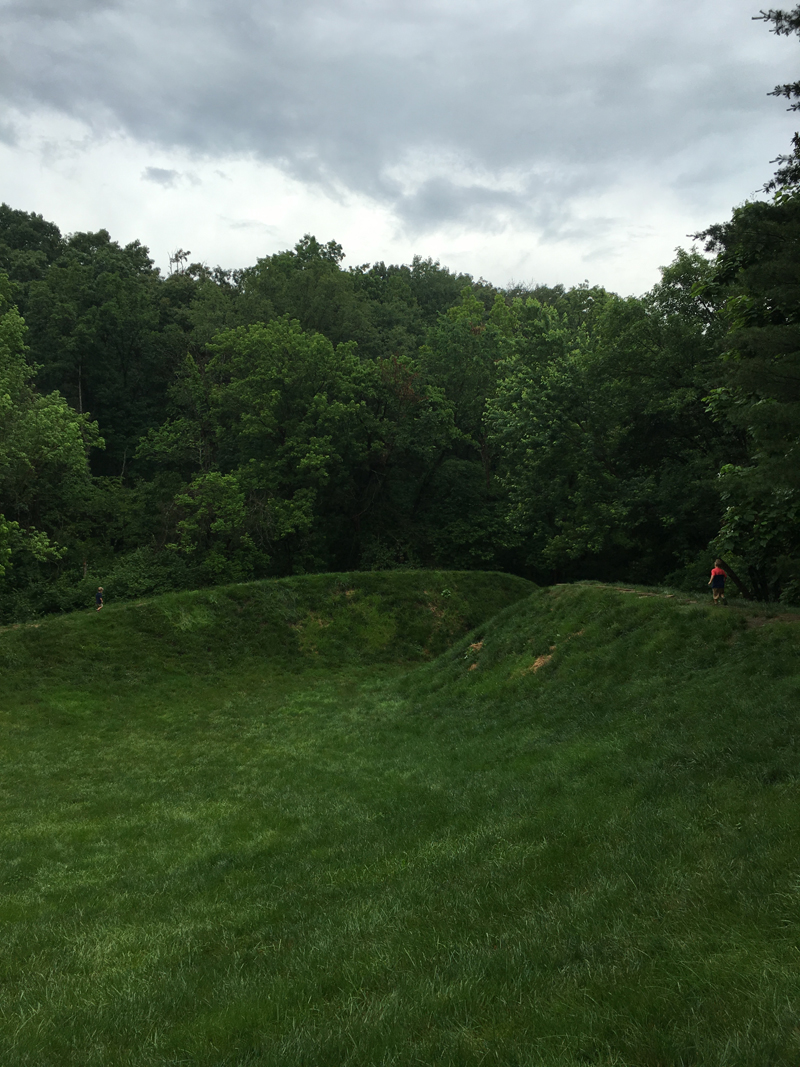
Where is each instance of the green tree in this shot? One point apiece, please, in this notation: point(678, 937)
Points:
point(273, 427)
point(550, 427)
point(43, 446)
point(757, 274)
point(460, 510)
point(755, 282)
point(607, 453)
point(28, 245)
point(295, 455)
point(96, 333)
point(309, 285)
point(786, 23)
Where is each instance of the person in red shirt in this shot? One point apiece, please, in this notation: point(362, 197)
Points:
point(717, 582)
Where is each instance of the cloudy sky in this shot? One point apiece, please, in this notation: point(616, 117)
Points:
point(520, 140)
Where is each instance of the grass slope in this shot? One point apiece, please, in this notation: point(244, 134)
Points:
point(237, 829)
point(291, 624)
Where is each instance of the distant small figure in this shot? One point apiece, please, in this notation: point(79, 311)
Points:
point(98, 598)
point(717, 582)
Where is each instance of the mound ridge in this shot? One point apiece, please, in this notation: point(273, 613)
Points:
point(295, 623)
point(601, 638)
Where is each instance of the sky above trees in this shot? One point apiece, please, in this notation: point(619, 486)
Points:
point(515, 139)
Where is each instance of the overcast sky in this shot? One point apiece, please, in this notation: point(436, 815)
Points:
point(520, 140)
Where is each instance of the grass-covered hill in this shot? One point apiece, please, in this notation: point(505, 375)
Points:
point(293, 624)
point(318, 822)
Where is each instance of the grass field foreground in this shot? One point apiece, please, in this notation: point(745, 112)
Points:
point(241, 827)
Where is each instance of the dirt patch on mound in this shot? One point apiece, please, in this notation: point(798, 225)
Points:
point(538, 663)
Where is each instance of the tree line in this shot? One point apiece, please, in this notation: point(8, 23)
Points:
point(212, 426)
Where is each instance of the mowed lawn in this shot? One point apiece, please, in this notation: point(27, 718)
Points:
point(571, 838)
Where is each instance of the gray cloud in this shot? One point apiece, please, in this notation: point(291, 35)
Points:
point(9, 133)
point(167, 178)
point(441, 109)
point(439, 198)
point(250, 224)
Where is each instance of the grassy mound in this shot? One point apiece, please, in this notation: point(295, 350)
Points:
point(294, 623)
point(570, 839)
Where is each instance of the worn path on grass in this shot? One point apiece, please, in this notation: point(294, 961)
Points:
point(755, 616)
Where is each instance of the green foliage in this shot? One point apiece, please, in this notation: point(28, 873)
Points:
point(307, 284)
point(43, 446)
point(541, 418)
point(461, 356)
point(757, 273)
point(405, 301)
point(299, 417)
point(98, 337)
point(7, 531)
point(305, 451)
point(28, 245)
point(785, 23)
point(279, 423)
point(607, 453)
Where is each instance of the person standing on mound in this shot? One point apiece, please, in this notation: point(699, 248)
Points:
point(98, 598)
point(717, 582)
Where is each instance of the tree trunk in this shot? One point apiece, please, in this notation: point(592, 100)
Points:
point(737, 581)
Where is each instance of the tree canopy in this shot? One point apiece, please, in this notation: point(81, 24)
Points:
point(302, 415)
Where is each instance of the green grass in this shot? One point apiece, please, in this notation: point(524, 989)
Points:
point(287, 824)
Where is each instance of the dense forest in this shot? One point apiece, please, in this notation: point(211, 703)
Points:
point(207, 426)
